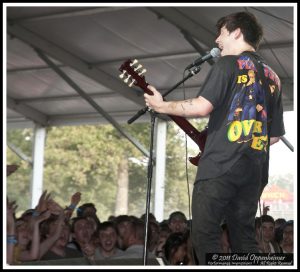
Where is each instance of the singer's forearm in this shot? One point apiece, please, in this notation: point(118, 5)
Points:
point(195, 107)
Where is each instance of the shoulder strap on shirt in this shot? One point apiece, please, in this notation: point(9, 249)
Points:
point(259, 66)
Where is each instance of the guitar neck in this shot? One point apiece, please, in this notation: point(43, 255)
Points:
point(132, 74)
point(185, 125)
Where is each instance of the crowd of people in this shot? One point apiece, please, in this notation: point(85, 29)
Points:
point(51, 232)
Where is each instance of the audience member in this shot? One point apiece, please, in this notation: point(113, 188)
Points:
point(153, 239)
point(44, 233)
point(28, 237)
point(177, 222)
point(164, 232)
point(123, 228)
point(151, 217)
point(107, 235)
point(131, 232)
point(10, 231)
point(176, 249)
point(82, 237)
point(267, 243)
point(88, 210)
point(279, 223)
point(287, 243)
point(55, 233)
point(225, 239)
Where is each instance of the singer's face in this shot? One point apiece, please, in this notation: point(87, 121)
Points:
point(225, 42)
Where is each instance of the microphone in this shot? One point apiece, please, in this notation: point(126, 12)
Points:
point(215, 52)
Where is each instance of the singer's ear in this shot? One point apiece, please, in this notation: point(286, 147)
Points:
point(237, 33)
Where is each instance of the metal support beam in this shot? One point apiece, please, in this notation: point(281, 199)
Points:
point(65, 97)
point(192, 41)
point(92, 118)
point(36, 186)
point(27, 111)
point(176, 18)
point(19, 153)
point(92, 95)
point(91, 102)
point(160, 165)
point(159, 56)
point(71, 13)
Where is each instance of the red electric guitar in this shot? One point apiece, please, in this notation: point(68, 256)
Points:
point(132, 73)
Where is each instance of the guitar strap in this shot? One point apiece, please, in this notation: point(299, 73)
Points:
point(269, 103)
point(268, 98)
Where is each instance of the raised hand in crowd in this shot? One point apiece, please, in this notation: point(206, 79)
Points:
point(266, 209)
point(11, 230)
point(54, 207)
point(88, 250)
point(54, 235)
point(75, 199)
point(29, 237)
point(11, 168)
point(43, 203)
point(10, 216)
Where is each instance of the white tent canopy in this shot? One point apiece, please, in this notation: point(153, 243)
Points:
point(89, 43)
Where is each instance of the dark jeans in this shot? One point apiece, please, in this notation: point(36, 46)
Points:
point(233, 197)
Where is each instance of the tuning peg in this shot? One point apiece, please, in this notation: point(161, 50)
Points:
point(123, 74)
point(134, 62)
point(142, 72)
point(126, 80)
point(138, 67)
point(132, 82)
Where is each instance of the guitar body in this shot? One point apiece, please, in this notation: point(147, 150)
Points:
point(202, 135)
point(134, 74)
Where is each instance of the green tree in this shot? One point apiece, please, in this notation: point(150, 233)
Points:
point(86, 159)
point(17, 184)
point(90, 159)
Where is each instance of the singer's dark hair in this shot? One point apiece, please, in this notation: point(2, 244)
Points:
point(248, 24)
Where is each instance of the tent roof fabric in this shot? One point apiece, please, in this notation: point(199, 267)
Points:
point(89, 43)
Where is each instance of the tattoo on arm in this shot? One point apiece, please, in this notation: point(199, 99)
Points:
point(174, 104)
point(182, 106)
point(183, 109)
point(190, 101)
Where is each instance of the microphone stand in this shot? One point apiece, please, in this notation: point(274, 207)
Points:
point(149, 182)
point(193, 71)
point(287, 143)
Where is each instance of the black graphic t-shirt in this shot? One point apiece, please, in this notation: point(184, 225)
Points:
point(247, 112)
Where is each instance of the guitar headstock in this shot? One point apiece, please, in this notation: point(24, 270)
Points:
point(132, 73)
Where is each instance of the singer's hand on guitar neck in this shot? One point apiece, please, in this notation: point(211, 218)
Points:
point(154, 101)
point(195, 107)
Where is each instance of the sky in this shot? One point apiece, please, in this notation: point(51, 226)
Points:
point(282, 159)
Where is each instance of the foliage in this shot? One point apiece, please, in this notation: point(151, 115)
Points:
point(86, 159)
point(83, 158)
point(17, 185)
